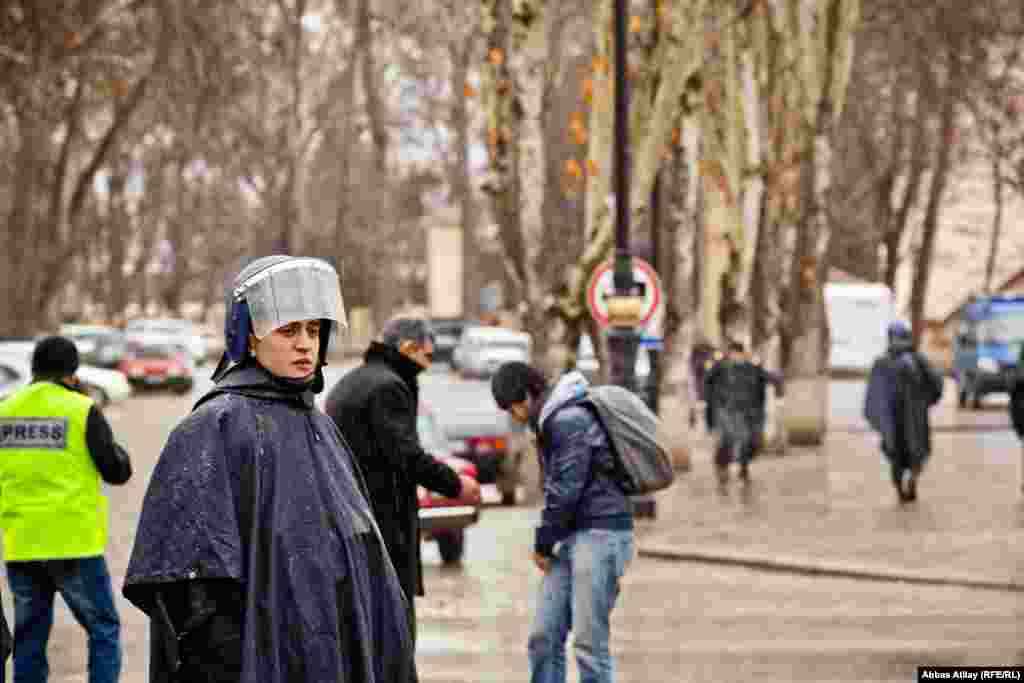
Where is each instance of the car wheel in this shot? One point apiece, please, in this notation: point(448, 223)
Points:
point(98, 396)
point(451, 546)
point(508, 497)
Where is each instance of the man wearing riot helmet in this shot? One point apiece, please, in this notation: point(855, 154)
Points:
point(257, 555)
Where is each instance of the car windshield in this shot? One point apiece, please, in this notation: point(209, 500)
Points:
point(1003, 328)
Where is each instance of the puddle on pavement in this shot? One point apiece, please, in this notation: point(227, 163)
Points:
point(439, 644)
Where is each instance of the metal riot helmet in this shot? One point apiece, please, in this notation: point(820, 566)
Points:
point(274, 291)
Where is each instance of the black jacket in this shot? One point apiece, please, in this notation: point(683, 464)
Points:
point(737, 395)
point(375, 407)
point(257, 557)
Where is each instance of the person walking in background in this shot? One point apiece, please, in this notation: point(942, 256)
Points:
point(901, 389)
point(257, 557)
point(56, 450)
point(375, 406)
point(1017, 407)
point(701, 356)
point(585, 538)
point(737, 394)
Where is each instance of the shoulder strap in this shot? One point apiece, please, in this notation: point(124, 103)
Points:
point(615, 470)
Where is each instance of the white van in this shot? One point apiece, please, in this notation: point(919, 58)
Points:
point(858, 315)
point(482, 349)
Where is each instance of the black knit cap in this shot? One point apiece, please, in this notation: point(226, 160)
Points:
point(54, 357)
point(513, 381)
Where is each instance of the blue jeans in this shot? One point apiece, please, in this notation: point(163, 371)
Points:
point(85, 586)
point(578, 594)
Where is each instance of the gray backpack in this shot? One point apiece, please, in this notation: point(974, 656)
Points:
point(642, 457)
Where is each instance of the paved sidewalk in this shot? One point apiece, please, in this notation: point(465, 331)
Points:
point(833, 511)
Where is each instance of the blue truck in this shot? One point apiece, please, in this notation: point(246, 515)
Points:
point(987, 347)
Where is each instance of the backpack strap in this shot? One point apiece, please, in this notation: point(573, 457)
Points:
point(615, 471)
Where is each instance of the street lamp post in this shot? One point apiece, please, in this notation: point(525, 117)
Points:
point(625, 306)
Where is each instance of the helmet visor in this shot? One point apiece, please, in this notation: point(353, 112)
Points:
point(291, 291)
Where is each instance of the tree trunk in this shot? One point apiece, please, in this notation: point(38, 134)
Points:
point(460, 180)
point(174, 280)
point(528, 68)
point(17, 317)
point(826, 34)
point(997, 219)
point(117, 238)
point(933, 209)
point(502, 181)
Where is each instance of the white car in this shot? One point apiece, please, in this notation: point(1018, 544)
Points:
point(483, 348)
point(103, 386)
point(168, 331)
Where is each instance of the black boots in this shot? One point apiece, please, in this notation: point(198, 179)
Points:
point(905, 481)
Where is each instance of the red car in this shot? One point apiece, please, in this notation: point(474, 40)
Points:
point(444, 519)
point(158, 365)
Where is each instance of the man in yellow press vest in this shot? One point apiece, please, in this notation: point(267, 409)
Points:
point(56, 450)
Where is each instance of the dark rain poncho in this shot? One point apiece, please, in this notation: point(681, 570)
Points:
point(256, 489)
point(901, 389)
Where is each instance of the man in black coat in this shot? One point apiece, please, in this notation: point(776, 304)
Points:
point(902, 387)
point(375, 406)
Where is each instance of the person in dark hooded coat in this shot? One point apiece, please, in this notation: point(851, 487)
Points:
point(257, 557)
point(901, 388)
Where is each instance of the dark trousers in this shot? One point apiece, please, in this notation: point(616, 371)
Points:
point(85, 586)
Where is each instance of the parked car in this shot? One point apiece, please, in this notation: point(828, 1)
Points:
point(447, 332)
point(588, 364)
point(443, 519)
point(168, 331)
point(12, 377)
point(483, 348)
point(159, 364)
point(102, 385)
point(478, 431)
point(98, 345)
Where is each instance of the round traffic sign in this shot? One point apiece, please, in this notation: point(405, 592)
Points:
point(602, 285)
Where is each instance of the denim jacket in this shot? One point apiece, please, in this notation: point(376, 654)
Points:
point(580, 488)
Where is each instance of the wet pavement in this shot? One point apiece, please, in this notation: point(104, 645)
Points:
point(834, 510)
point(696, 621)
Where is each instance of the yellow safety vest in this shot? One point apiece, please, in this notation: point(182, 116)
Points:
point(52, 504)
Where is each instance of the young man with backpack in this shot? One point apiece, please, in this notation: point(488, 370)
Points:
point(585, 539)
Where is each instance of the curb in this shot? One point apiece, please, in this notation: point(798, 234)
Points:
point(943, 429)
point(812, 567)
